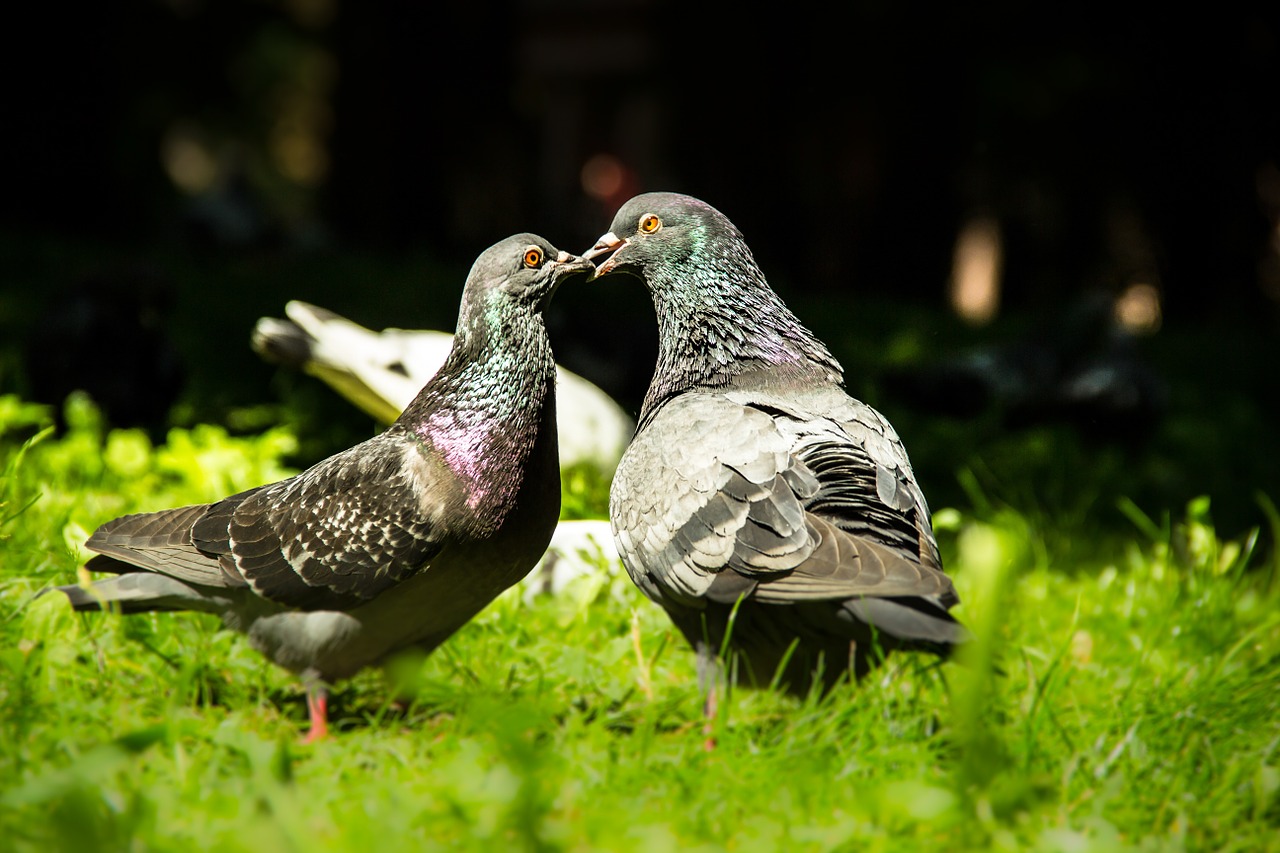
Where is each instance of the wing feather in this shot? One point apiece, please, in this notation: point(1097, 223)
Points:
point(800, 506)
point(343, 531)
point(159, 542)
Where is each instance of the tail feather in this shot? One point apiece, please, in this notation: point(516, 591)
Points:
point(282, 342)
point(355, 361)
point(381, 372)
point(140, 592)
point(915, 622)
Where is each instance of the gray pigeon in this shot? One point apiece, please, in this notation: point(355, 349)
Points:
point(380, 372)
point(758, 503)
point(395, 542)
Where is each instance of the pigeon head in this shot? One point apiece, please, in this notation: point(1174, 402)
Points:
point(501, 357)
point(656, 232)
point(717, 315)
point(522, 270)
point(509, 286)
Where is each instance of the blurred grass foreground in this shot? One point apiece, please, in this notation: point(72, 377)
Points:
point(1122, 696)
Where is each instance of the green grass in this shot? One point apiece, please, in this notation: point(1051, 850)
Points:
point(1124, 695)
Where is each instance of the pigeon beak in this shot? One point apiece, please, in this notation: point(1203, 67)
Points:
point(609, 243)
point(563, 267)
point(573, 263)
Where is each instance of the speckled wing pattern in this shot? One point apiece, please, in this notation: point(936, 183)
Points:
point(341, 532)
point(802, 497)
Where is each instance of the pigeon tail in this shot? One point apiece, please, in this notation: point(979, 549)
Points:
point(137, 592)
point(282, 342)
point(914, 623)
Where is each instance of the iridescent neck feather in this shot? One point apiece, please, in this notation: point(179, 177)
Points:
point(718, 318)
point(487, 408)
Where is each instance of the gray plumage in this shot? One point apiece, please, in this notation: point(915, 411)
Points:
point(397, 541)
point(756, 491)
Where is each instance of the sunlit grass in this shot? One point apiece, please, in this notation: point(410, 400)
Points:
point(1125, 696)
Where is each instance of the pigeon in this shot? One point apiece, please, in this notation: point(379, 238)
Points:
point(395, 542)
point(769, 513)
point(380, 372)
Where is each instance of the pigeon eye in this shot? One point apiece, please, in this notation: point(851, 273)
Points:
point(532, 257)
point(650, 223)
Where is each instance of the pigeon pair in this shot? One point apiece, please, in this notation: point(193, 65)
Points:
point(770, 514)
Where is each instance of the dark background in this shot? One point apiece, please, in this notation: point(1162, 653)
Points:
point(177, 169)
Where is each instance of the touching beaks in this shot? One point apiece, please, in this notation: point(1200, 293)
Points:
point(574, 262)
point(607, 244)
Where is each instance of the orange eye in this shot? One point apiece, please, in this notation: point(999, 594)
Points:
point(650, 223)
point(532, 257)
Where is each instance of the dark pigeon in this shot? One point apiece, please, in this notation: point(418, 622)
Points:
point(758, 501)
point(395, 542)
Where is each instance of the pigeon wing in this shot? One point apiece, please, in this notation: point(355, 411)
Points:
point(686, 512)
point(341, 532)
point(158, 542)
point(868, 516)
point(788, 506)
